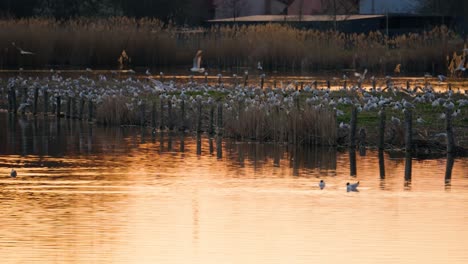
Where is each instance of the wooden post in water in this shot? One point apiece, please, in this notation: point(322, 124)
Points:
point(10, 101)
point(73, 107)
point(199, 117)
point(274, 83)
point(13, 100)
point(68, 113)
point(36, 97)
point(142, 113)
point(408, 144)
point(328, 85)
point(219, 149)
point(314, 84)
point(81, 111)
point(161, 77)
point(353, 125)
point(198, 144)
point(46, 102)
point(153, 115)
point(408, 130)
point(262, 81)
point(161, 112)
point(381, 164)
point(246, 78)
point(382, 119)
point(220, 77)
point(220, 118)
point(374, 85)
point(408, 86)
point(345, 85)
point(169, 114)
point(211, 128)
point(183, 125)
point(449, 131)
point(448, 168)
point(352, 161)
point(90, 111)
point(58, 106)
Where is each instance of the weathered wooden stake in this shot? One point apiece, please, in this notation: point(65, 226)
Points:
point(183, 126)
point(68, 113)
point(199, 117)
point(328, 84)
point(408, 144)
point(198, 144)
point(381, 164)
point(220, 118)
point(449, 131)
point(153, 115)
point(58, 106)
point(10, 101)
point(408, 130)
point(46, 102)
point(262, 81)
point(169, 114)
point(82, 104)
point(382, 119)
point(448, 168)
point(161, 112)
point(408, 86)
point(353, 125)
point(352, 161)
point(13, 100)
point(211, 128)
point(345, 85)
point(36, 97)
point(374, 84)
point(142, 113)
point(246, 78)
point(90, 111)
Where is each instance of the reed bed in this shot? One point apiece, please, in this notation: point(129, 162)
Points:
point(284, 115)
point(98, 43)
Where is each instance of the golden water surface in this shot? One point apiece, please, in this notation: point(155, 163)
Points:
point(86, 194)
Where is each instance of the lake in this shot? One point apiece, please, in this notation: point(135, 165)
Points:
point(91, 194)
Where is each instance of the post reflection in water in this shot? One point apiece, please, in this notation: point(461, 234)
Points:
point(88, 194)
point(448, 170)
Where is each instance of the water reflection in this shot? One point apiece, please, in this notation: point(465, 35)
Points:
point(88, 194)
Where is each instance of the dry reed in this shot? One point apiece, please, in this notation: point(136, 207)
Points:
point(99, 42)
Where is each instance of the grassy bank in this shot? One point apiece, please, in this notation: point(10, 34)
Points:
point(98, 44)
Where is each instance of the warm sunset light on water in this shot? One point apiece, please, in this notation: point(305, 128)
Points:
point(116, 196)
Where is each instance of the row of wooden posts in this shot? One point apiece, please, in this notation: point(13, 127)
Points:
point(70, 105)
point(451, 148)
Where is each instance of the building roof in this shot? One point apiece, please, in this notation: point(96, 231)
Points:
point(304, 18)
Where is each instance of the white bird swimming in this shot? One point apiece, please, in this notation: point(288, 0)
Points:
point(352, 187)
point(197, 62)
point(321, 184)
point(22, 51)
point(13, 173)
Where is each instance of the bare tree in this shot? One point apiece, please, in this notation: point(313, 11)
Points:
point(334, 8)
point(231, 8)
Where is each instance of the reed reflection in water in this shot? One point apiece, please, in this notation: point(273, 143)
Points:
point(88, 194)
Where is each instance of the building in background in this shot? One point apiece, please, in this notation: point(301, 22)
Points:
point(387, 6)
point(239, 8)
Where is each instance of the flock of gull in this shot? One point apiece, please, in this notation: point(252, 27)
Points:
point(136, 91)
